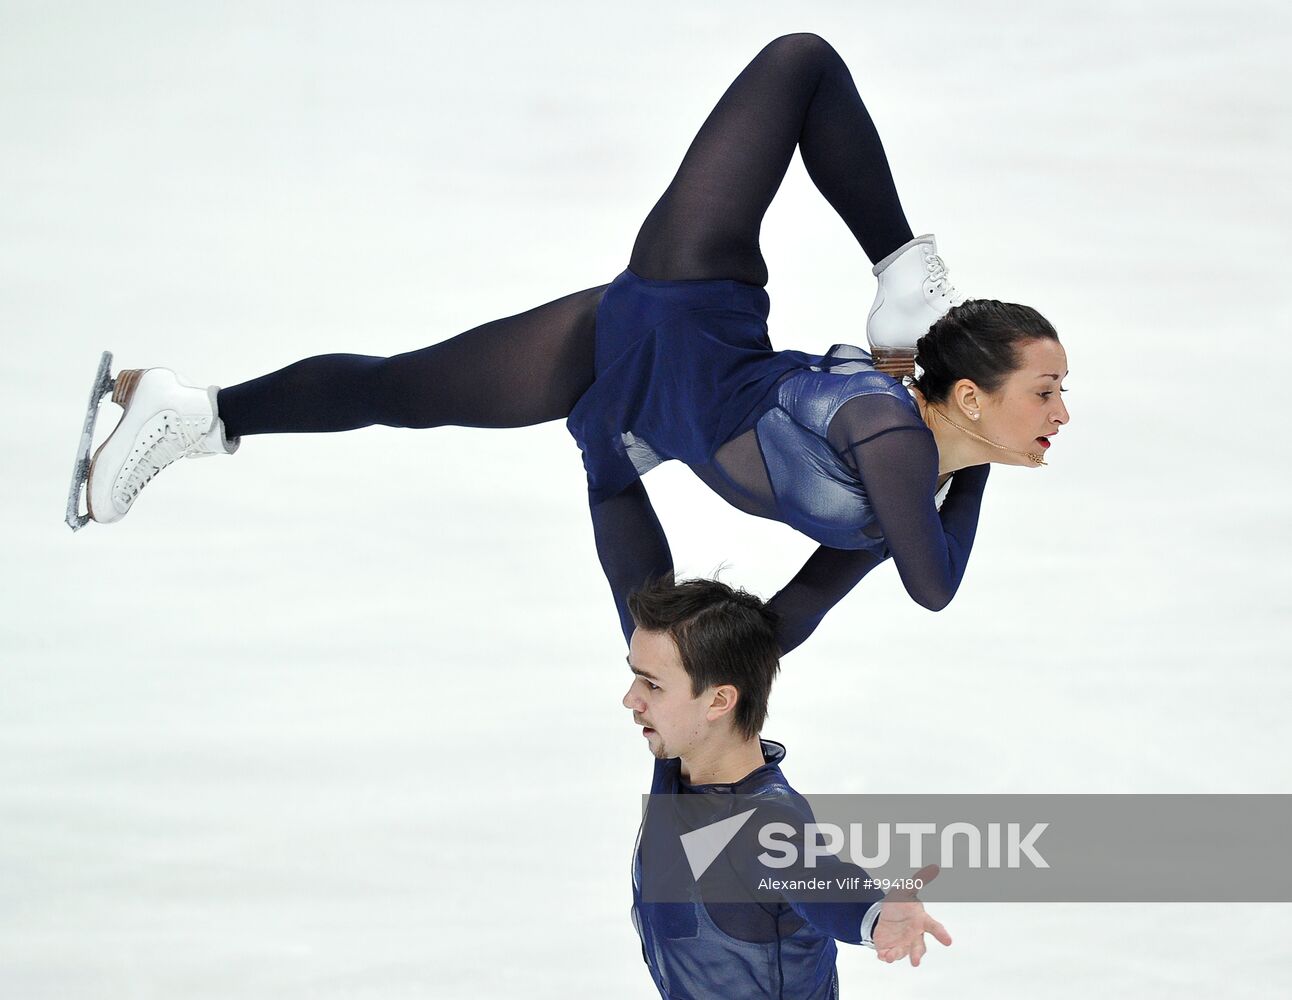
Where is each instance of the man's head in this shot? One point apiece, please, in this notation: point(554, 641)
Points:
point(703, 656)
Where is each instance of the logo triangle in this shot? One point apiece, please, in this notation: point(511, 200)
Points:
point(705, 844)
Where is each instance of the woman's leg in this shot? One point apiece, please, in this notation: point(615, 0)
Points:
point(521, 370)
point(796, 91)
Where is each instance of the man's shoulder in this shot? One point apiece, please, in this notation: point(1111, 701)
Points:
point(772, 794)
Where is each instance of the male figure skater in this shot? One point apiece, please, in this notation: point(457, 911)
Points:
point(703, 657)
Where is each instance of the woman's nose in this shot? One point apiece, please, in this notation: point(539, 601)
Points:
point(1061, 415)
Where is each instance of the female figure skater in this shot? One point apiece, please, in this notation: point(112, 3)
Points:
point(671, 360)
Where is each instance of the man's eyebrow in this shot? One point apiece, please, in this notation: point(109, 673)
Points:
point(639, 673)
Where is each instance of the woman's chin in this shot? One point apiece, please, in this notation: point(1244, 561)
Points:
point(1021, 459)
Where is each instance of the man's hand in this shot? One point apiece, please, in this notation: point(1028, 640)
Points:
point(902, 923)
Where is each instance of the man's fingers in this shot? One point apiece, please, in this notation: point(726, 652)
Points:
point(917, 952)
point(937, 930)
point(924, 876)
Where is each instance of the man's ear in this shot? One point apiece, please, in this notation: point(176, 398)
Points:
point(722, 701)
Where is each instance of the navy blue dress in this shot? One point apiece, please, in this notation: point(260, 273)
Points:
point(683, 367)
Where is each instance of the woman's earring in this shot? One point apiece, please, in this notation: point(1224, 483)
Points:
point(974, 415)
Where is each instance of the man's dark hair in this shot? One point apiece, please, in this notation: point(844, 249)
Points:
point(724, 636)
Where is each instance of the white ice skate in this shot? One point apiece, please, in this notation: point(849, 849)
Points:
point(914, 293)
point(165, 419)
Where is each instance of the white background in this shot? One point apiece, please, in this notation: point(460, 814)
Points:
point(339, 716)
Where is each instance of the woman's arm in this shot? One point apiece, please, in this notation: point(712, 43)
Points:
point(829, 573)
point(631, 546)
point(816, 588)
point(899, 468)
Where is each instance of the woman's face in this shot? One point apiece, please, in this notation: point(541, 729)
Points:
point(1027, 411)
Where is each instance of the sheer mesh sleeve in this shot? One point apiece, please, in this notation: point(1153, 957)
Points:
point(897, 459)
point(851, 921)
point(631, 545)
point(821, 584)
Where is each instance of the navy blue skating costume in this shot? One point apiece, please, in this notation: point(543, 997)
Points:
point(783, 949)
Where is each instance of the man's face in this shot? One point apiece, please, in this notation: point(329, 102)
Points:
point(673, 720)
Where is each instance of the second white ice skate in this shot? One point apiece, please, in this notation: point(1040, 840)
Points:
point(165, 419)
point(914, 293)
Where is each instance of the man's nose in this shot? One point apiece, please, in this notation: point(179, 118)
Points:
point(629, 701)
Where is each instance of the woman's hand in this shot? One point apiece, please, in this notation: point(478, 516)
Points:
point(903, 923)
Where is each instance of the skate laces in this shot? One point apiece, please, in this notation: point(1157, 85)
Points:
point(938, 279)
point(170, 445)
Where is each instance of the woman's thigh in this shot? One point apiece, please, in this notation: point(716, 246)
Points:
point(511, 372)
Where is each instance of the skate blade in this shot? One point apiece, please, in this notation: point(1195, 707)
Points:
point(103, 384)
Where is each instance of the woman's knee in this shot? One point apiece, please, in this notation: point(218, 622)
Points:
point(802, 47)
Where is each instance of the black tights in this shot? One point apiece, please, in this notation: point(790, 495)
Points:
point(532, 367)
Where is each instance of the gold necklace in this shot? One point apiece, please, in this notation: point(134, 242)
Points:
point(1033, 456)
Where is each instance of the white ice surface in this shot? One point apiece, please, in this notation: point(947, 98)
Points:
point(339, 716)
